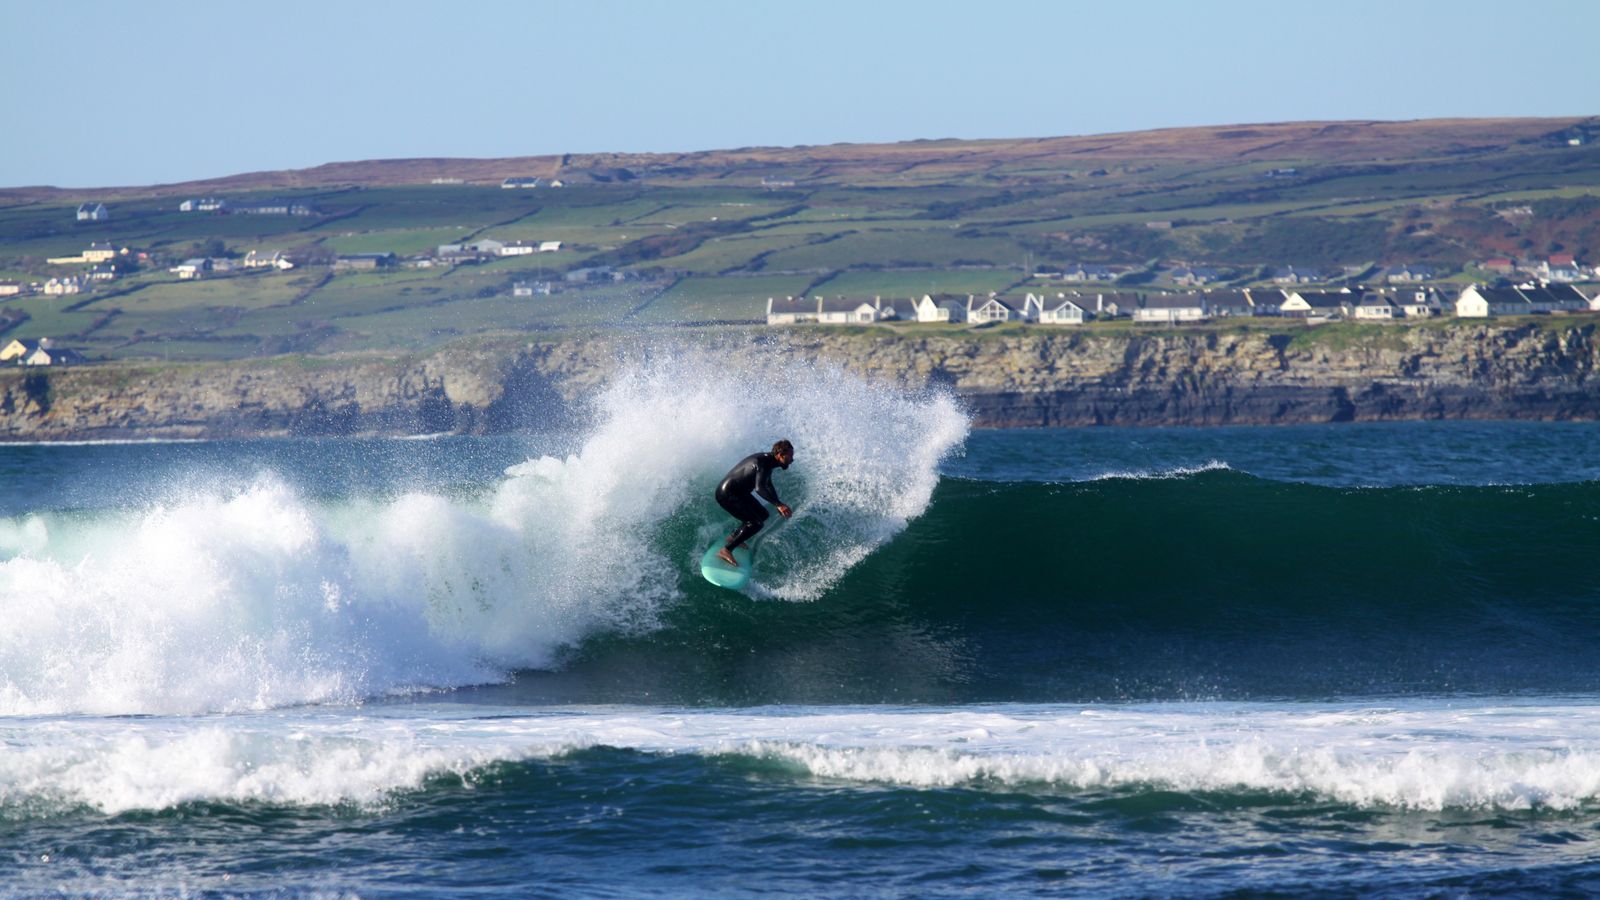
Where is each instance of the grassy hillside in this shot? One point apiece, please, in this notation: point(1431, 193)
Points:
point(692, 239)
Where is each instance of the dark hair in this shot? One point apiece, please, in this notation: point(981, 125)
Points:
point(783, 447)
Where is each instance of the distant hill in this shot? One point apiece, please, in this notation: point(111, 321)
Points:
point(1017, 160)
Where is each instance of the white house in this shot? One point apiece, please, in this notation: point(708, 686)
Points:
point(191, 268)
point(46, 355)
point(1410, 272)
point(1086, 272)
point(1194, 276)
point(57, 287)
point(93, 212)
point(1414, 304)
point(1315, 304)
point(10, 288)
point(1480, 302)
point(1059, 309)
point(1171, 308)
point(1373, 307)
point(262, 259)
point(995, 308)
point(522, 289)
point(516, 248)
point(850, 310)
point(1231, 304)
point(99, 252)
point(1266, 301)
point(792, 310)
point(549, 246)
point(512, 183)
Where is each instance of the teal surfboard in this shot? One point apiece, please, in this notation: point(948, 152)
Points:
point(720, 573)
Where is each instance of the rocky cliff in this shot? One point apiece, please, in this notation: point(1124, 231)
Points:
point(1542, 369)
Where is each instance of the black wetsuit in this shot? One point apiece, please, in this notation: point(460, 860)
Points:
point(753, 475)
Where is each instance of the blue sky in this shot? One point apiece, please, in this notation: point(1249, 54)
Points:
point(101, 93)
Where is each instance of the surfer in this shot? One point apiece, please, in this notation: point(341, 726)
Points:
point(737, 494)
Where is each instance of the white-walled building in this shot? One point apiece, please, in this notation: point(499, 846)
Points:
point(1171, 308)
point(1059, 309)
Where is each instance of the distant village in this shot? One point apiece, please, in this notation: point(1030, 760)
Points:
point(1086, 292)
point(1075, 307)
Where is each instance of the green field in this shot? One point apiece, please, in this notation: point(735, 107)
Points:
point(719, 299)
point(712, 245)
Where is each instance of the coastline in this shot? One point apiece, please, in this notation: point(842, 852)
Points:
point(1536, 369)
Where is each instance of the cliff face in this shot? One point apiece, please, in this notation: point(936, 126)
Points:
point(1546, 370)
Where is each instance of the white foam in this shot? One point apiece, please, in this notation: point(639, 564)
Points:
point(1212, 465)
point(1430, 756)
point(249, 596)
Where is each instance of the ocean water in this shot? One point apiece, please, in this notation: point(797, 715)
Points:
point(1352, 659)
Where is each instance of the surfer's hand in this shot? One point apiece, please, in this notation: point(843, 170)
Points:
point(785, 511)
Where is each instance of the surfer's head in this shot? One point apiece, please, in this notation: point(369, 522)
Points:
point(784, 452)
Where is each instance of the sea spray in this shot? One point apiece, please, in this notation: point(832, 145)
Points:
point(252, 595)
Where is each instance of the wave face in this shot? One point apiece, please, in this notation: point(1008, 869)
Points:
point(1200, 585)
point(234, 594)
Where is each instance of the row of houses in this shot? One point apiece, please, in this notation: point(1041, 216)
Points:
point(1071, 308)
point(268, 207)
point(40, 352)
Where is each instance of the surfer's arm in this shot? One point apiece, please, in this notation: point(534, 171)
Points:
point(767, 492)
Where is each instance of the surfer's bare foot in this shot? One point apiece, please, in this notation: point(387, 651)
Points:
point(727, 557)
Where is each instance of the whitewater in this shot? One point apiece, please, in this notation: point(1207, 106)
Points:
point(250, 595)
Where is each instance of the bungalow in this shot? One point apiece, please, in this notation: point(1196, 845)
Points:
point(516, 248)
point(1115, 304)
point(1409, 272)
point(262, 259)
point(521, 289)
point(1266, 301)
point(1194, 276)
point(1480, 302)
point(1316, 304)
point(995, 308)
point(1415, 304)
point(191, 268)
point(513, 183)
point(792, 310)
point(57, 287)
point(1228, 304)
point(1555, 298)
point(93, 212)
point(1083, 272)
point(1171, 308)
point(52, 356)
point(549, 246)
point(940, 308)
point(10, 288)
point(204, 204)
point(1373, 307)
point(1060, 309)
point(272, 208)
point(850, 310)
point(364, 261)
